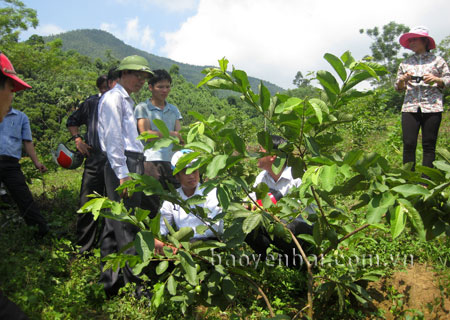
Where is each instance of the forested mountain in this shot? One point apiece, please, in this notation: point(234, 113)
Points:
point(96, 43)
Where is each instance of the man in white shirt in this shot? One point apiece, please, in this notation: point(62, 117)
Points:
point(117, 132)
point(176, 216)
point(279, 185)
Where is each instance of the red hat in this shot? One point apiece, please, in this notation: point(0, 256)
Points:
point(417, 32)
point(8, 70)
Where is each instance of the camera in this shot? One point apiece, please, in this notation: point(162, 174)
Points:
point(417, 79)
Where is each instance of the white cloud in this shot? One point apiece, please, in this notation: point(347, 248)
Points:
point(133, 33)
point(273, 40)
point(47, 30)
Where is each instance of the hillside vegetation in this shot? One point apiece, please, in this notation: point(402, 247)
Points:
point(98, 44)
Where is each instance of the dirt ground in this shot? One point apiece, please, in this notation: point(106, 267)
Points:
point(412, 292)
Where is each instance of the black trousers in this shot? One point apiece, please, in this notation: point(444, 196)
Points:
point(117, 234)
point(259, 240)
point(411, 123)
point(12, 176)
point(161, 171)
point(9, 310)
point(93, 181)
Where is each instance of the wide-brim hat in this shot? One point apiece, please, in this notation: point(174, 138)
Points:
point(8, 70)
point(417, 32)
point(136, 63)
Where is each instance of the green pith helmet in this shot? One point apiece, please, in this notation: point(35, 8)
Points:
point(137, 63)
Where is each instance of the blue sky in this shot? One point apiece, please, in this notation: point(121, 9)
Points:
point(269, 39)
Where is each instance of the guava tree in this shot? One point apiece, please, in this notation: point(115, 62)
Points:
point(351, 194)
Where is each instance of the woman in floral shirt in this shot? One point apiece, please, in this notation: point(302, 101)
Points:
point(423, 75)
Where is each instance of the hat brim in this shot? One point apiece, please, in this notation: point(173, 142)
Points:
point(19, 84)
point(134, 67)
point(404, 40)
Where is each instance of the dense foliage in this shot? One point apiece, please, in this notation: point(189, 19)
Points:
point(97, 43)
point(363, 199)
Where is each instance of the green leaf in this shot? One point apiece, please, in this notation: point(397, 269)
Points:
point(408, 190)
point(318, 233)
point(213, 73)
point(223, 198)
point(171, 285)
point(264, 97)
point(355, 79)
point(223, 84)
point(289, 105)
point(398, 221)
point(241, 79)
point(435, 175)
point(251, 222)
point(199, 145)
point(219, 162)
point(278, 165)
point(353, 156)
point(161, 125)
point(336, 63)
point(265, 140)
point(317, 110)
point(223, 63)
point(414, 217)
point(184, 234)
point(162, 267)
point(185, 160)
point(189, 267)
point(158, 291)
point(378, 206)
point(328, 177)
point(141, 214)
point(331, 235)
point(442, 165)
point(366, 67)
point(328, 81)
point(200, 229)
point(348, 59)
point(144, 244)
point(229, 288)
point(94, 205)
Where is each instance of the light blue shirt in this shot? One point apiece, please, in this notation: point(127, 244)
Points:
point(117, 128)
point(170, 114)
point(14, 129)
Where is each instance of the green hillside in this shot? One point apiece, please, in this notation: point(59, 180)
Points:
point(95, 43)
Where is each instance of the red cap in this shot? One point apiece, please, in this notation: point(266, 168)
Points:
point(8, 70)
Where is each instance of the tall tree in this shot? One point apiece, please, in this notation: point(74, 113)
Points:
point(300, 81)
point(385, 47)
point(14, 18)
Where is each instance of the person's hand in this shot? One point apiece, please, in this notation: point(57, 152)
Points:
point(430, 79)
point(82, 146)
point(406, 77)
point(124, 191)
point(159, 247)
point(178, 135)
point(40, 167)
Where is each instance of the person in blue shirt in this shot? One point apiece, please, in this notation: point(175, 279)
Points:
point(15, 130)
point(157, 162)
point(94, 166)
point(9, 83)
